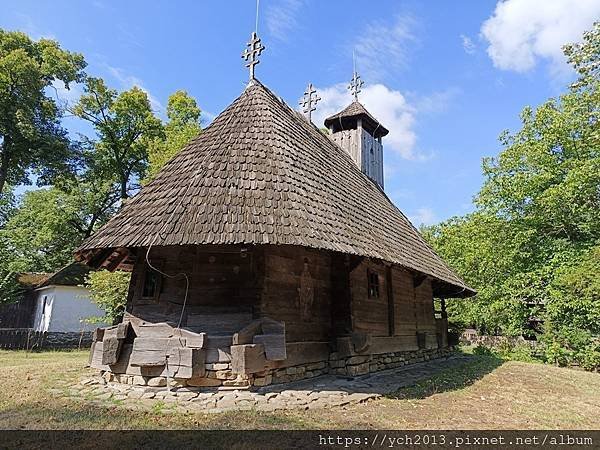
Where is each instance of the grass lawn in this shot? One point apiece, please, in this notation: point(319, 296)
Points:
point(486, 393)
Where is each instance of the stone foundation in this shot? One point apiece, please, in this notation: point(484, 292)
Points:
point(220, 375)
point(28, 339)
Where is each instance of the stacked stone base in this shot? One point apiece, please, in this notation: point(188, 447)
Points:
point(220, 375)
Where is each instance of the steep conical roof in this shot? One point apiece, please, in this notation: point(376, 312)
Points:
point(354, 111)
point(262, 174)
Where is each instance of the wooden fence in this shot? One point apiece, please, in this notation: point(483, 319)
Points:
point(28, 339)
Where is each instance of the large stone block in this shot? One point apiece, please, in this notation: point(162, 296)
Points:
point(359, 369)
point(203, 382)
point(357, 360)
point(157, 381)
point(263, 381)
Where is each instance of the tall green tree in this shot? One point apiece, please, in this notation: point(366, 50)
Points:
point(183, 125)
point(31, 138)
point(534, 237)
point(125, 126)
point(45, 229)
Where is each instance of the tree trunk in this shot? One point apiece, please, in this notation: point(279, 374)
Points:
point(4, 160)
point(124, 189)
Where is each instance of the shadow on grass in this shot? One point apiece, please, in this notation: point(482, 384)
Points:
point(62, 414)
point(454, 378)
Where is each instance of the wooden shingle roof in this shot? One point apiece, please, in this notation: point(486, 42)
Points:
point(262, 174)
point(71, 275)
point(353, 111)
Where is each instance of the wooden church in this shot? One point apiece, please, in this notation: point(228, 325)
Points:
point(266, 251)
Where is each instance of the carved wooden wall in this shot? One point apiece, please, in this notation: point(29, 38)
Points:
point(297, 291)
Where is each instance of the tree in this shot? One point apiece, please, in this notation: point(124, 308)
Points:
point(535, 234)
point(7, 203)
point(125, 126)
point(10, 289)
point(489, 254)
point(31, 138)
point(183, 125)
point(584, 56)
point(43, 232)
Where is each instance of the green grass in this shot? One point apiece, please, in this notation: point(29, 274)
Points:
point(485, 392)
point(451, 379)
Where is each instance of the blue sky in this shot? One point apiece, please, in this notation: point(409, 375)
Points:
point(445, 77)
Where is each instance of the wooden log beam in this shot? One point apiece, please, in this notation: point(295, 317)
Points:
point(248, 358)
point(112, 339)
point(149, 351)
point(274, 345)
point(246, 334)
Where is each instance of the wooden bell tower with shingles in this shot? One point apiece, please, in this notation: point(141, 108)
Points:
point(359, 133)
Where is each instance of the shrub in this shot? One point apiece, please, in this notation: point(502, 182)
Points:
point(482, 350)
point(109, 291)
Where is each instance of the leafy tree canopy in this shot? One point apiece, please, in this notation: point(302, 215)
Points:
point(42, 234)
point(531, 246)
point(31, 138)
point(183, 125)
point(125, 125)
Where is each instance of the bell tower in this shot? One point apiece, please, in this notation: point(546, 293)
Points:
point(359, 133)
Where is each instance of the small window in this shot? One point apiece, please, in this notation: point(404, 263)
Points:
point(151, 284)
point(373, 284)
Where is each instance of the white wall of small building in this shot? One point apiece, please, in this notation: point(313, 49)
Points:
point(67, 307)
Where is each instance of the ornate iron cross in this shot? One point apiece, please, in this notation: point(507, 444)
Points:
point(252, 53)
point(309, 101)
point(355, 85)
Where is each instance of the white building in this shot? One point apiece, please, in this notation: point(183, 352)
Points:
point(62, 304)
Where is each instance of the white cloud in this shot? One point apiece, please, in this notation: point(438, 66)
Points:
point(128, 81)
point(384, 47)
point(391, 108)
point(281, 19)
point(388, 106)
point(423, 216)
point(521, 32)
point(468, 45)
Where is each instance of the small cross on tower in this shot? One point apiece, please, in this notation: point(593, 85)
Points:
point(252, 53)
point(355, 85)
point(309, 101)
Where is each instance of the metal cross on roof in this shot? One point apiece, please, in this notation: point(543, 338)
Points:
point(355, 85)
point(309, 101)
point(252, 53)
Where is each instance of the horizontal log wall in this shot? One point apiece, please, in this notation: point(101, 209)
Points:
point(297, 291)
point(405, 319)
point(413, 307)
point(224, 286)
point(369, 315)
